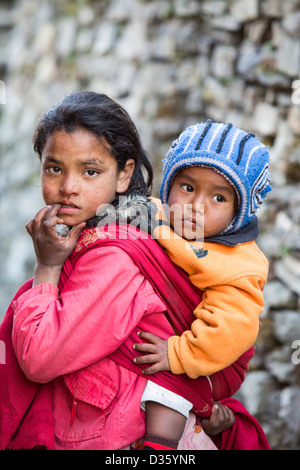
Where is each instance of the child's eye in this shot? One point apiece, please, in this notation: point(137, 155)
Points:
point(187, 187)
point(53, 169)
point(219, 198)
point(91, 173)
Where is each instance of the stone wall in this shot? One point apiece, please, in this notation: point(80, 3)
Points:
point(170, 63)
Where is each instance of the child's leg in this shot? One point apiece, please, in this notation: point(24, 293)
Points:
point(164, 425)
point(166, 415)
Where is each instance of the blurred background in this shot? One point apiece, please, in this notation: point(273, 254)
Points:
point(170, 64)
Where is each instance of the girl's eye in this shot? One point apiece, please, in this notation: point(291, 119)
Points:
point(188, 188)
point(91, 173)
point(53, 169)
point(219, 198)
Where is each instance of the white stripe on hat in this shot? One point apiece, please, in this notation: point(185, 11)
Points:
point(250, 155)
point(192, 136)
point(214, 135)
point(233, 142)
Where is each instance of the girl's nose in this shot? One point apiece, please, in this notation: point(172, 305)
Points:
point(69, 185)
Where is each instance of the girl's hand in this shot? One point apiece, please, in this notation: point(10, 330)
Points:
point(157, 353)
point(221, 418)
point(51, 249)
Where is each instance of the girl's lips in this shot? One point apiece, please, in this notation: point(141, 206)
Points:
point(68, 209)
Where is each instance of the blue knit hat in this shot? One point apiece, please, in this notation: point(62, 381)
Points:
point(237, 155)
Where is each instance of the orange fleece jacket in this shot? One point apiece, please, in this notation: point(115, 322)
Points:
point(227, 319)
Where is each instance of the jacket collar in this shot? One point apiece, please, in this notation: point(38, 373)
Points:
point(248, 233)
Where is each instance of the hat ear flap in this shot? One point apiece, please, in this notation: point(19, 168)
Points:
point(259, 190)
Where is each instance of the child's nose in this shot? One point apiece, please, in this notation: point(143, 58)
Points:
point(69, 185)
point(198, 204)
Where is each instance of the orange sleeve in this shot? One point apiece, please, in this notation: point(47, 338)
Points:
point(226, 325)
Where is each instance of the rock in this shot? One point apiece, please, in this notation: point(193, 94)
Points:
point(266, 119)
point(265, 343)
point(294, 119)
point(289, 410)
point(288, 271)
point(277, 295)
point(226, 23)
point(288, 56)
point(213, 8)
point(280, 366)
point(291, 24)
point(121, 10)
point(256, 29)
point(105, 38)
point(223, 61)
point(187, 9)
point(283, 224)
point(66, 37)
point(215, 93)
point(272, 8)
point(245, 11)
point(249, 59)
point(287, 326)
point(84, 40)
point(131, 44)
point(45, 39)
point(255, 391)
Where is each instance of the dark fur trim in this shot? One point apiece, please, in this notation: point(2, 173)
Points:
point(133, 209)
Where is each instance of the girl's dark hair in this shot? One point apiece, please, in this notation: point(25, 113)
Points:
point(106, 120)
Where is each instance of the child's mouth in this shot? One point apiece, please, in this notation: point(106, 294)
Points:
point(68, 209)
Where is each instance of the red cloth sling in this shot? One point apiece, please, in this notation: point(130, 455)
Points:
point(26, 419)
point(180, 298)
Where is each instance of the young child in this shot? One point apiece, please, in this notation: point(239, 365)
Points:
point(222, 173)
point(70, 318)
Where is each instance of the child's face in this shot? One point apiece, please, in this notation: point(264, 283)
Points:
point(79, 172)
point(203, 203)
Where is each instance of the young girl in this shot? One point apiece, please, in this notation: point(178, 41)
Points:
point(82, 303)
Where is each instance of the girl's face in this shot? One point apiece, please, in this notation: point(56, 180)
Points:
point(79, 173)
point(201, 203)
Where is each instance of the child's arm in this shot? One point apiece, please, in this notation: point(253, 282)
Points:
point(56, 332)
point(226, 325)
point(157, 353)
point(222, 332)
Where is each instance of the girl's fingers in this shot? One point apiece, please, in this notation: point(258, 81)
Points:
point(40, 215)
point(28, 226)
point(75, 232)
point(54, 210)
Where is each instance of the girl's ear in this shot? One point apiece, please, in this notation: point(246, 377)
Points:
point(125, 175)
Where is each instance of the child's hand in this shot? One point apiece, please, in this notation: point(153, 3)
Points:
point(157, 353)
point(221, 418)
point(51, 249)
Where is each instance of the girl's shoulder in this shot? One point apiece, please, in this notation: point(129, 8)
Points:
point(89, 237)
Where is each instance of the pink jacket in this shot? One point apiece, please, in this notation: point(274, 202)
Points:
point(65, 339)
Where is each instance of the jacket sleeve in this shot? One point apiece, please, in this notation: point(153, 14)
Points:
point(226, 325)
point(55, 333)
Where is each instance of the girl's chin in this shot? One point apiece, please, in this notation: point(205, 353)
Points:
point(70, 221)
